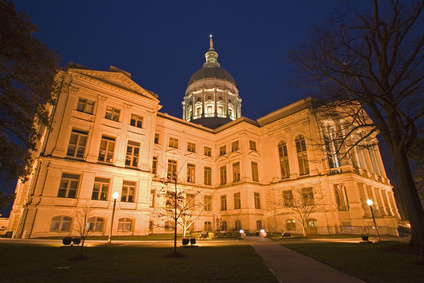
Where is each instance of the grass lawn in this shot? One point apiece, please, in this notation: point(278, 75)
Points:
point(131, 263)
point(377, 262)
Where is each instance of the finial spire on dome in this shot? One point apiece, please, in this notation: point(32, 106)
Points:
point(210, 41)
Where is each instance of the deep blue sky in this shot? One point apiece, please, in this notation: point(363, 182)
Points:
point(162, 43)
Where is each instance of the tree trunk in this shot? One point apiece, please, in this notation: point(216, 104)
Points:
point(409, 195)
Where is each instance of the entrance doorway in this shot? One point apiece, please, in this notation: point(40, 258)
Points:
point(312, 226)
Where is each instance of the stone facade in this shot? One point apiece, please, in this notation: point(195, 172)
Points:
point(108, 136)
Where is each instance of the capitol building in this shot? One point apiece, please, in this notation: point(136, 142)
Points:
point(112, 157)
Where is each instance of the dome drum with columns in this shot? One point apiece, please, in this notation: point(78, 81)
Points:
point(211, 98)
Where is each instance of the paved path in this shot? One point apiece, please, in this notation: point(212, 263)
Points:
point(291, 267)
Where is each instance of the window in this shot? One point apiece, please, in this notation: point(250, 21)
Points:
point(173, 142)
point(224, 225)
point(85, 106)
point(237, 225)
point(291, 225)
point(308, 196)
point(155, 165)
point(60, 224)
point(156, 138)
point(257, 200)
point(169, 225)
point(112, 113)
point(284, 160)
point(223, 175)
point(190, 200)
point(96, 224)
point(107, 147)
point(236, 172)
point(100, 189)
point(255, 173)
point(331, 146)
point(136, 121)
point(302, 155)
point(152, 198)
point(235, 146)
point(340, 193)
point(170, 200)
point(258, 225)
point(207, 203)
point(252, 145)
point(288, 198)
point(222, 150)
point(191, 172)
point(125, 225)
point(237, 201)
point(224, 202)
point(207, 151)
point(77, 143)
point(209, 109)
point(172, 169)
point(128, 191)
point(220, 110)
point(68, 186)
point(208, 226)
point(208, 176)
point(133, 151)
point(191, 147)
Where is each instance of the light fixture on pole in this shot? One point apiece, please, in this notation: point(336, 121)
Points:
point(370, 203)
point(115, 197)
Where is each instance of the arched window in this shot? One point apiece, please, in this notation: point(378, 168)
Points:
point(258, 225)
point(302, 155)
point(291, 225)
point(96, 224)
point(237, 225)
point(125, 224)
point(339, 192)
point(208, 226)
point(331, 146)
point(61, 224)
point(284, 160)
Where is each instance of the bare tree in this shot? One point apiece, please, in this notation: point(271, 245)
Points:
point(371, 56)
point(84, 224)
point(300, 202)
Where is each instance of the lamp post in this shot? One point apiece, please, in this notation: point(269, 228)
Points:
point(115, 197)
point(370, 202)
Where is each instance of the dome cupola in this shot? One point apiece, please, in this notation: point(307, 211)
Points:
point(211, 98)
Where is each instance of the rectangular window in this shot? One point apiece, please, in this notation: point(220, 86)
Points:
point(100, 189)
point(288, 198)
point(224, 202)
point(222, 150)
point(125, 225)
point(236, 172)
point(68, 186)
point(207, 151)
point(190, 200)
point(133, 152)
point(77, 144)
point(257, 201)
point(156, 138)
point(237, 201)
point(308, 196)
point(191, 172)
point(107, 147)
point(252, 145)
point(191, 147)
point(128, 191)
point(223, 175)
point(207, 203)
point(112, 113)
point(173, 142)
point(172, 169)
point(85, 106)
point(208, 176)
point(155, 165)
point(235, 146)
point(152, 198)
point(136, 121)
point(255, 172)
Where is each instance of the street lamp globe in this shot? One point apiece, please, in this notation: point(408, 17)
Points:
point(115, 195)
point(369, 202)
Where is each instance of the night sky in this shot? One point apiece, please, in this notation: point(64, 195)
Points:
point(162, 43)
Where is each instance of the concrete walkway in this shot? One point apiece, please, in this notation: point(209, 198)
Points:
point(291, 267)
